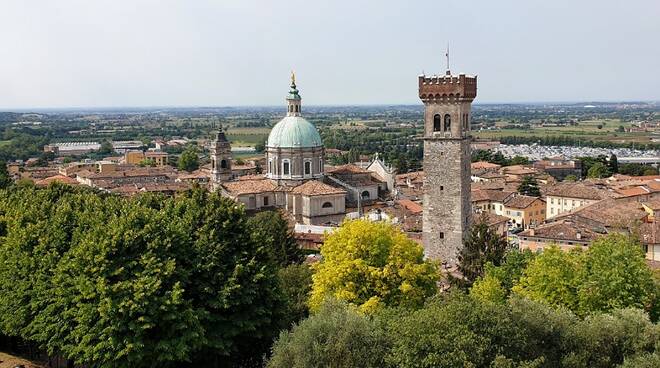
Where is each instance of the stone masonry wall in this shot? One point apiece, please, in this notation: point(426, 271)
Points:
point(447, 209)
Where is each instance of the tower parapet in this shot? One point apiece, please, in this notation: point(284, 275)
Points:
point(442, 87)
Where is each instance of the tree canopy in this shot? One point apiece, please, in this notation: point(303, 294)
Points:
point(370, 265)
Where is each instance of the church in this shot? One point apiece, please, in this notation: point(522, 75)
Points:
point(296, 178)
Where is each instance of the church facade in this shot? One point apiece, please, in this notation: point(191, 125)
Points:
point(294, 178)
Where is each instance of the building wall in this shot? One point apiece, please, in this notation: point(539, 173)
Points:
point(275, 158)
point(556, 205)
point(313, 206)
point(534, 214)
point(537, 244)
point(447, 207)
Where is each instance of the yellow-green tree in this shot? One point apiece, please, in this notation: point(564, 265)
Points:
point(370, 265)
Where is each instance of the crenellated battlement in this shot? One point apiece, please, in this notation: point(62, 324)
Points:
point(447, 87)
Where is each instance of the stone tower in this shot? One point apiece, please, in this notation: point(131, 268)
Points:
point(447, 208)
point(220, 160)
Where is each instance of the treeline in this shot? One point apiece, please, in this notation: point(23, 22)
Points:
point(105, 281)
point(593, 308)
point(16, 144)
point(567, 140)
point(498, 158)
point(398, 147)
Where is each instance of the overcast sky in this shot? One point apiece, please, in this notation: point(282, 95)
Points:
point(92, 53)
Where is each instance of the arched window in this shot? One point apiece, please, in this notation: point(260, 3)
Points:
point(286, 170)
point(365, 194)
point(308, 167)
point(437, 123)
point(447, 123)
point(223, 164)
point(270, 166)
point(326, 205)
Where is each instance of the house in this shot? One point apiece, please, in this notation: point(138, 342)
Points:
point(489, 200)
point(566, 197)
point(559, 167)
point(524, 211)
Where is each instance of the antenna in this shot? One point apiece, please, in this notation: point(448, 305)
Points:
point(447, 56)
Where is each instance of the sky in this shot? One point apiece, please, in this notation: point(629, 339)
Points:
point(114, 53)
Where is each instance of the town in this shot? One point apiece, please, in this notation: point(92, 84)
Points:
point(252, 184)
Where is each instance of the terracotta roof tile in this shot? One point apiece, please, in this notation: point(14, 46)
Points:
point(490, 195)
point(315, 187)
point(562, 230)
point(348, 169)
point(411, 206)
point(57, 178)
point(578, 190)
point(249, 186)
point(521, 201)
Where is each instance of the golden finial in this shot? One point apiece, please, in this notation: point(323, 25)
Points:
point(293, 78)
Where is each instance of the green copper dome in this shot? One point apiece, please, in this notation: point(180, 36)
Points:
point(294, 132)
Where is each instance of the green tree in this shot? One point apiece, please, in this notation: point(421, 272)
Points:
point(189, 160)
point(598, 170)
point(529, 186)
point(270, 229)
point(456, 332)
point(552, 277)
point(295, 281)
point(570, 178)
point(497, 281)
point(371, 265)
point(615, 275)
point(5, 180)
point(519, 160)
point(106, 147)
point(482, 246)
point(260, 147)
point(336, 336)
point(613, 164)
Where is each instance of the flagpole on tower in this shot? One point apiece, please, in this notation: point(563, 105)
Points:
point(447, 56)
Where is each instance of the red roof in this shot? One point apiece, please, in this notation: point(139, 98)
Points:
point(411, 206)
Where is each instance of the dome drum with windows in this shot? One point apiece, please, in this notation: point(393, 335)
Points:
point(294, 149)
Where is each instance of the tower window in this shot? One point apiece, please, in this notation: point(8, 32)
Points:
point(447, 123)
point(270, 166)
point(442, 235)
point(308, 167)
point(286, 170)
point(327, 205)
point(437, 123)
point(442, 188)
point(223, 164)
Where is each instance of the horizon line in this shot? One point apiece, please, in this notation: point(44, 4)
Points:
point(153, 107)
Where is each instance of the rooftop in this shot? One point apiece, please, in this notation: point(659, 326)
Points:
point(521, 201)
point(315, 188)
point(237, 188)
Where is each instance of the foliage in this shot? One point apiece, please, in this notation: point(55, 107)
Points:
point(106, 147)
point(570, 178)
point(5, 180)
point(189, 160)
point(611, 274)
point(495, 286)
point(552, 277)
point(615, 275)
point(370, 265)
point(295, 282)
point(272, 230)
point(336, 336)
point(113, 282)
point(498, 158)
point(599, 170)
point(529, 186)
point(613, 164)
point(482, 246)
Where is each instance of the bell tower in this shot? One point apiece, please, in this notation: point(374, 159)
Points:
point(447, 209)
point(220, 160)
